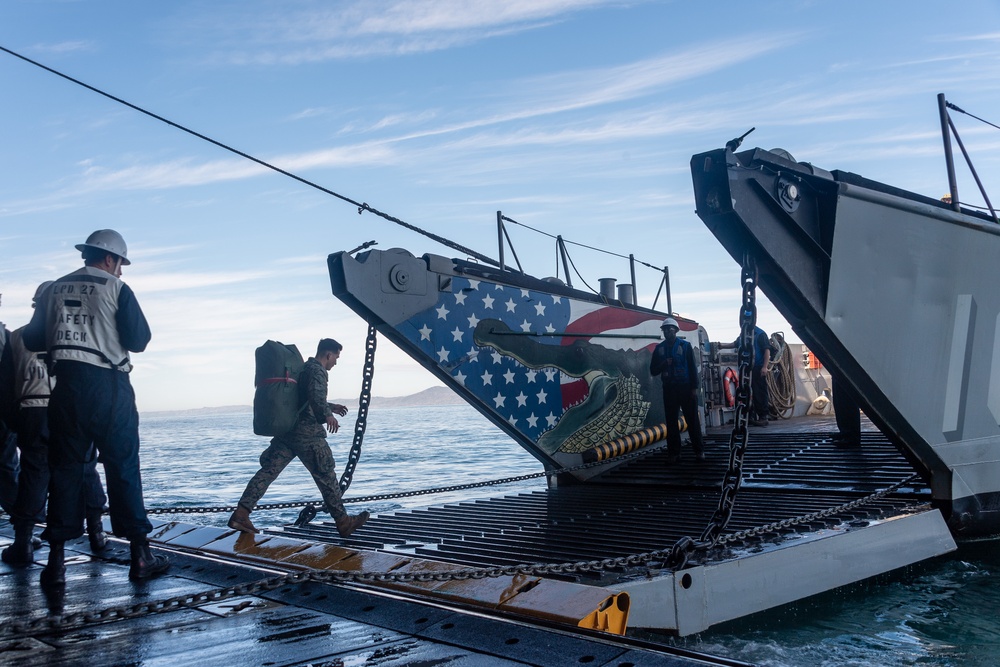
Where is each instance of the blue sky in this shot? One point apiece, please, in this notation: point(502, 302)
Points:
point(577, 117)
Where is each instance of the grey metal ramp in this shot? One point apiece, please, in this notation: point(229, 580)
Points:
point(648, 504)
point(581, 523)
point(804, 521)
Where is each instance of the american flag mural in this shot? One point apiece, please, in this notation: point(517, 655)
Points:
point(564, 373)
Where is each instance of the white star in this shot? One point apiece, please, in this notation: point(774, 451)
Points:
point(473, 321)
point(556, 299)
point(513, 420)
point(521, 398)
point(442, 355)
point(551, 419)
point(473, 284)
point(541, 396)
point(500, 398)
point(460, 378)
point(525, 326)
point(550, 374)
point(425, 333)
point(497, 357)
point(526, 294)
point(531, 375)
point(487, 378)
point(458, 335)
point(549, 328)
point(442, 312)
point(510, 305)
point(509, 376)
point(540, 309)
point(532, 420)
point(488, 302)
point(498, 286)
point(460, 298)
point(473, 355)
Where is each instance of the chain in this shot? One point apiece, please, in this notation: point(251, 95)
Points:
point(784, 524)
point(404, 494)
point(685, 546)
point(364, 401)
point(76, 620)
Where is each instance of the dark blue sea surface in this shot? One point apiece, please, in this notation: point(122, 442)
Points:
point(941, 612)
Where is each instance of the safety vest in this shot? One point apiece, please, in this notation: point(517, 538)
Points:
point(32, 384)
point(676, 372)
point(80, 319)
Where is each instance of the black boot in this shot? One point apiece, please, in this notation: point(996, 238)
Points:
point(54, 574)
point(95, 531)
point(146, 564)
point(22, 552)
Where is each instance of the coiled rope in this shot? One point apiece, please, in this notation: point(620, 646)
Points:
point(781, 379)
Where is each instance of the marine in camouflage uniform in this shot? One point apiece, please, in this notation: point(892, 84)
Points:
point(307, 442)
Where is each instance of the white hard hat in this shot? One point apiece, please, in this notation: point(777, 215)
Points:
point(108, 240)
point(40, 290)
point(670, 322)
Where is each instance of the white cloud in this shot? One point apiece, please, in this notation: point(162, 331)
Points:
point(373, 28)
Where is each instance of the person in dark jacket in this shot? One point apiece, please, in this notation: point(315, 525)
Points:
point(88, 322)
point(25, 387)
point(673, 360)
point(307, 442)
point(761, 408)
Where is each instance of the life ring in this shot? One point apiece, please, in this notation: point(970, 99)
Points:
point(729, 384)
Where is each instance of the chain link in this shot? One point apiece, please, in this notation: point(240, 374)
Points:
point(364, 401)
point(405, 494)
point(685, 544)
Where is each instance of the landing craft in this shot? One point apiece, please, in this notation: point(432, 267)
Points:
point(565, 373)
point(870, 277)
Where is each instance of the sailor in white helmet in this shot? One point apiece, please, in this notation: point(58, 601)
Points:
point(673, 360)
point(25, 387)
point(89, 321)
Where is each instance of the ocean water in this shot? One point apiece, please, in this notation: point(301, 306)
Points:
point(941, 612)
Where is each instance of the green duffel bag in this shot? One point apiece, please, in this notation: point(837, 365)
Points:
point(276, 401)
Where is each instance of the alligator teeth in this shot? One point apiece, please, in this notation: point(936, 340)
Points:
point(624, 415)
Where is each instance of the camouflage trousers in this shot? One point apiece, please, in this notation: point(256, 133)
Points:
point(315, 454)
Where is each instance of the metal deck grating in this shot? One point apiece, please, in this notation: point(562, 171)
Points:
point(647, 505)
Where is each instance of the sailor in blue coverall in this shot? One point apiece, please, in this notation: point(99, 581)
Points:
point(88, 321)
point(673, 360)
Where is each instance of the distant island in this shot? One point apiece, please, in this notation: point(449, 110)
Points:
point(432, 396)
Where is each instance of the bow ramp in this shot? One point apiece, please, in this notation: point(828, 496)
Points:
point(559, 370)
point(896, 293)
point(565, 372)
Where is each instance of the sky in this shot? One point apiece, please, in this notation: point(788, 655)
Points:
point(575, 117)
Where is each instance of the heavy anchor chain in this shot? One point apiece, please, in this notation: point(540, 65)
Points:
point(76, 620)
point(364, 402)
point(686, 546)
point(405, 494)
point(308, 512)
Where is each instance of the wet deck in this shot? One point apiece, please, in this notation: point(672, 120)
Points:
point(296, 624)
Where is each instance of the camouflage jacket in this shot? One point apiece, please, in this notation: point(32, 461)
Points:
point(313, 383)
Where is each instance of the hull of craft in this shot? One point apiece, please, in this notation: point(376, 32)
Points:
point(896, 294)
